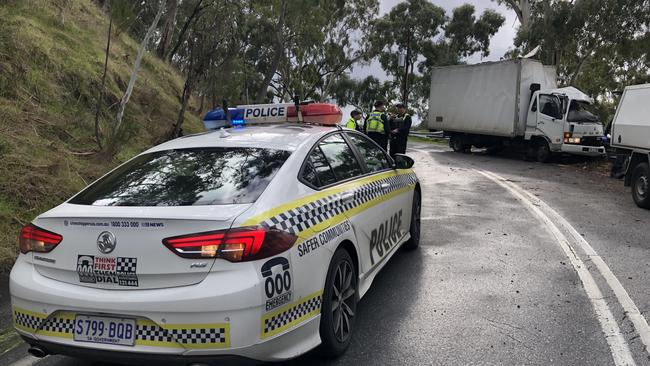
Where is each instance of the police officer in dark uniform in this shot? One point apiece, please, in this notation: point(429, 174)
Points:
point(376, 125)
point(400, 126)
point(354, 122)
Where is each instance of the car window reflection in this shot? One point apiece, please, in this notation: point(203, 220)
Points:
point(205, 176)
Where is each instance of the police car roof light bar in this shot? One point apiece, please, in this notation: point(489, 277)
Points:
point(314, 113)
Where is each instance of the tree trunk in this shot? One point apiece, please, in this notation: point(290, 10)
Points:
point(522, 9)
point(136, 67)
point(185, 98)
point(168, 29)
point(277, 56)
point(202, 104)
point(525, 13)
point(574, 77)
point(100, 96)
point(186, 26)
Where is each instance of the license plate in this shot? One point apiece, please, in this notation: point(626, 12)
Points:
point(99, 329)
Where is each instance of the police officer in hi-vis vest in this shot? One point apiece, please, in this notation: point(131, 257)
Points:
point(400, 126)
point(355, 121)
point(376, 126)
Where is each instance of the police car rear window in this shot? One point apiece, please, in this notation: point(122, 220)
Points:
point(186, 177)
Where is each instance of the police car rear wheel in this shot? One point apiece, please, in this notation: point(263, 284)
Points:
point(339, 308)
point(414, 241)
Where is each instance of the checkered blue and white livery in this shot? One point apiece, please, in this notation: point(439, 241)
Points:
point(303, 217)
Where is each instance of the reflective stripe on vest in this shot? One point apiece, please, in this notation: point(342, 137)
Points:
point(352, 123)
point(375, 123)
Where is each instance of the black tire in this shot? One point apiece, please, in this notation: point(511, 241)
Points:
point(339, 305)
point(543, 151)
point(414, 242)
point(494, 150)
point(641, 185)
point(456, 143)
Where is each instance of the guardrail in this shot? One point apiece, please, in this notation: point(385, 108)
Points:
point(429, 135)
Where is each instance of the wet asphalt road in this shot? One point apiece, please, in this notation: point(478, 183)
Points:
point(490, 284)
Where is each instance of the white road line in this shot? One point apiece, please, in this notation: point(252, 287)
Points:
point(27, 361)
point(617, 344)
point(631, 310)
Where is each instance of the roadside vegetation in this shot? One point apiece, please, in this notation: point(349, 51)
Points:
point(430, 140)
point(51, 62)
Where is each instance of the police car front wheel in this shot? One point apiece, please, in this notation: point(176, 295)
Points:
point(338, 313)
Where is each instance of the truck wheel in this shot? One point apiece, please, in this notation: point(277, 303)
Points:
point(456, 144)
point(641, 185)
point(494, 150)
point(543, 152)
point(338, 313)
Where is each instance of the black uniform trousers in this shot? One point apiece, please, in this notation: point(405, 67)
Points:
point(380, 138)
point(398, 145)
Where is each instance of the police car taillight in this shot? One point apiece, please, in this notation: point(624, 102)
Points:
point(235, 245)
point(35, 239)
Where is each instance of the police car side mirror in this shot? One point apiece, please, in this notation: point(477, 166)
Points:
point(402, 161)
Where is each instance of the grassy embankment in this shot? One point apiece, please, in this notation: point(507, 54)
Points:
point(437, 141)
point(50, 72)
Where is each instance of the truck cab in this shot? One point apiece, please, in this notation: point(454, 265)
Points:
point(561, 121)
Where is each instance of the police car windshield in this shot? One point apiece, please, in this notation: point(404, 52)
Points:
point(186, 177)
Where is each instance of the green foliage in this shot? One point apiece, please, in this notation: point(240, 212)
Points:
point(599, 46)
point(433, 39)
point(306, 45)
point(362, 94)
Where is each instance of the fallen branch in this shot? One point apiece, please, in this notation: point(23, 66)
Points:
point(82, 178)
point(18, 220)
point(81, 153)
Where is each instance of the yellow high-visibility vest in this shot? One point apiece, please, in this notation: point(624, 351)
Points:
point(375, 123)
point(352, 123)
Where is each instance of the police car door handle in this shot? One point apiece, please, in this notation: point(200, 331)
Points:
point(385, 186)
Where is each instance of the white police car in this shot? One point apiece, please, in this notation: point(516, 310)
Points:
point(253, 241)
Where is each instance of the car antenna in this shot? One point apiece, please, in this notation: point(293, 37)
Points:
point(296, 101)
point(224, 105)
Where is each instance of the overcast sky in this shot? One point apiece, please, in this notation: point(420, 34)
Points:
point(499, 44)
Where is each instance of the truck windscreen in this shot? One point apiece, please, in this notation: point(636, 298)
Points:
point(580, 111)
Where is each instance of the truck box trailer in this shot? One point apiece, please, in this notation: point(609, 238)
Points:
point(495, 104)
point(630, 136)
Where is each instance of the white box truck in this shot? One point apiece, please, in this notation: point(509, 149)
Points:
point(513, 103)
point(631, 137)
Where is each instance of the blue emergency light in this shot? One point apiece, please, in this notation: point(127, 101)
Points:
point(216, 118)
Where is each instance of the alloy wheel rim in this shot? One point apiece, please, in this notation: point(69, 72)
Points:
point(343, 305)
point(416, 219)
